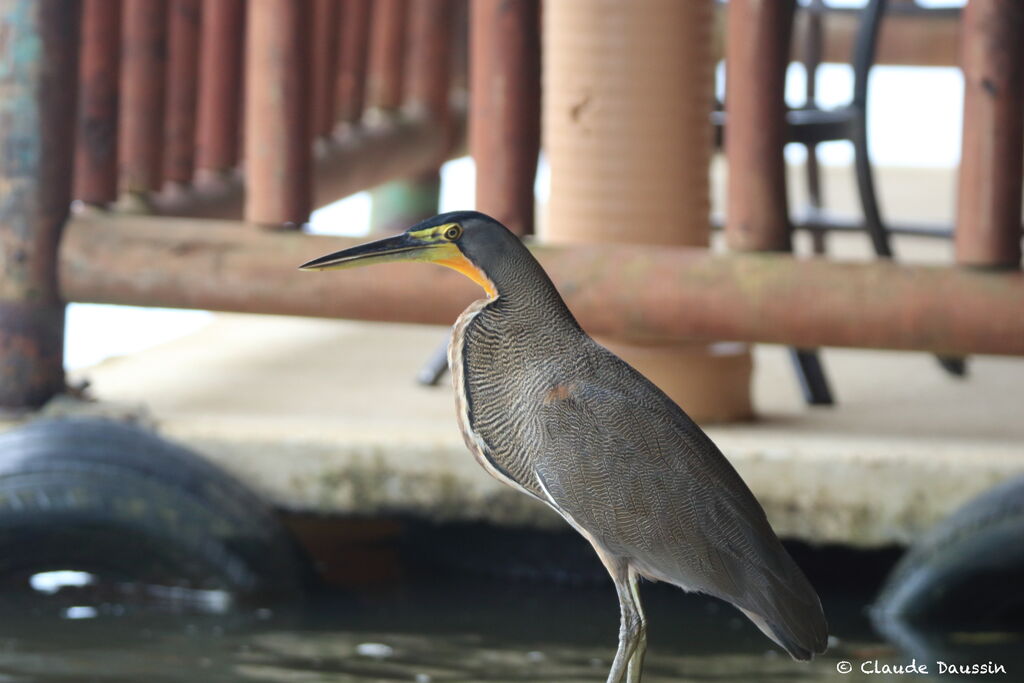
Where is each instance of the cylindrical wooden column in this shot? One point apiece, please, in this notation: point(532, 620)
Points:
point(756, 56)
point(220, 86)
point(37, 114)
point(182, 69)
point(352, 57)
point(627, 96)
point(504, 115)
point(143, 70)
point(429, 57)
point(326, 19)
point(988, 222)
point(386, 65)
point(401, 203)
point(278, 148)
point(96, 129)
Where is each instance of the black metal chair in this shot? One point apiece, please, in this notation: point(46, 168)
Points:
point(811, 125)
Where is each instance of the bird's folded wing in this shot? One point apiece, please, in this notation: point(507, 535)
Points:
point(643, 480)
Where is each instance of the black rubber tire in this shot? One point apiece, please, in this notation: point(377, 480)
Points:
point(965, 570)
point(111, 498)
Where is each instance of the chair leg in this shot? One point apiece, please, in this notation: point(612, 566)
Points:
point(953, 365)
point(435, 367)
point(811, 374)
point(864, 57)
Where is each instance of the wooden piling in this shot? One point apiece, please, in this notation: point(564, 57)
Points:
point(182, 69)
point(504, 111)
point(988, 227)
point(353, 54)
point(95, 178)
point(278, 151)
point(326, 19)
point(37, 114)
point(757, 54)
point(141, 118)
point(627, 105)
point(222, 38)
point(386, 66)
point(429, 57)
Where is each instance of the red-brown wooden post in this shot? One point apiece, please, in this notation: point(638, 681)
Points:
point(401, 203)
point(95, 178)
point(504, 116)
point(182, 69)
point(756, 56)
point(143, 70)
point(278, 151)
point(757, 212)
point(988, 224)
point(220, 86)
point(37, 114)
point(460, 47)
point(429, 59)
point(384, 79)
point(353, 55)
point(326, 15)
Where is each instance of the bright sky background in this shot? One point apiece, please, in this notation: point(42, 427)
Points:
point(914, 120)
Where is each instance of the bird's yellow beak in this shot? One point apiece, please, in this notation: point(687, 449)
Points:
point(427, 245)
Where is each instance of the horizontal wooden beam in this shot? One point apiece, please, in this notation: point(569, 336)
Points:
point(356, 160)
point(917, 38)
point(624, 291)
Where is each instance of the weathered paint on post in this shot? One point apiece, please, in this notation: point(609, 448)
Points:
point(772, 298)
point(220, 86)
point(182, 68)
point(386, 66)
point(504, 118)
point(988, 227)
point(326, 14)
point(757, 53)
point(38, 56)
point(95, 177)
point(141, 118)
point(353, 54)
point(278, 148)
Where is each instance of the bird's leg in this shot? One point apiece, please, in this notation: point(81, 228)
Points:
point(636, 661)
point(630, 626)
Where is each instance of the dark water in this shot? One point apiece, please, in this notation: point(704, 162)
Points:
point(445, 630)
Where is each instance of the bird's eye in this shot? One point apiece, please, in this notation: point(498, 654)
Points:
point(453, 232)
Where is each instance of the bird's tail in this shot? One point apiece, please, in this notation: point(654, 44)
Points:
point(797, 625)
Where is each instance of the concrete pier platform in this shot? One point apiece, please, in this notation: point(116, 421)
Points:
point(325, 416)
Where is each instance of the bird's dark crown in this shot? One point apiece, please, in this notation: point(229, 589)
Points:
point(463, 218)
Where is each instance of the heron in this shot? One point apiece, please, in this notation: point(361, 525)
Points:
point(550, 412)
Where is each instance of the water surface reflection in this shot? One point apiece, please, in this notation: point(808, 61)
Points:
point(472, 630)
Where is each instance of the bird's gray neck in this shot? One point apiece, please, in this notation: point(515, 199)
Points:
point(527, 293)
point(523, 288)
